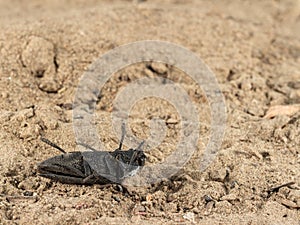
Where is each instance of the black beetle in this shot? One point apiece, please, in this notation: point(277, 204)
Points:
point(93, 167)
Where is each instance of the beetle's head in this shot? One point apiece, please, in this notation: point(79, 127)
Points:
point(138, 158)
point(133, 157)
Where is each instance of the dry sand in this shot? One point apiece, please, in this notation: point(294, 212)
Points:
point(253, 47)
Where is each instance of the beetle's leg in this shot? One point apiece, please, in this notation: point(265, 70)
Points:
point(122, 137)
point(88, 179)
point(133, 158)
point(89, 173)
point(52, 144)
point(125, 189)
point(135, 153)
point(93, 179)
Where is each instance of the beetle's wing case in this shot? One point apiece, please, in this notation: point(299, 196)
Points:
point(92, 167)
point(66, 168)
point(106, 165)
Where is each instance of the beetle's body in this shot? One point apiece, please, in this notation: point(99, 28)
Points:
point(92, 167)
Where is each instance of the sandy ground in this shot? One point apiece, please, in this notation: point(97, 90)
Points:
point(253, 47)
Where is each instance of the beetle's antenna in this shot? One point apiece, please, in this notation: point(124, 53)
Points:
point(87, 146)
point(52, 144)
point(140, 146)
point(123, 136)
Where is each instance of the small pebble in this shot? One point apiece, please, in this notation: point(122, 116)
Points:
point(229, 197)
point(28, 193)
point(159, 67)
